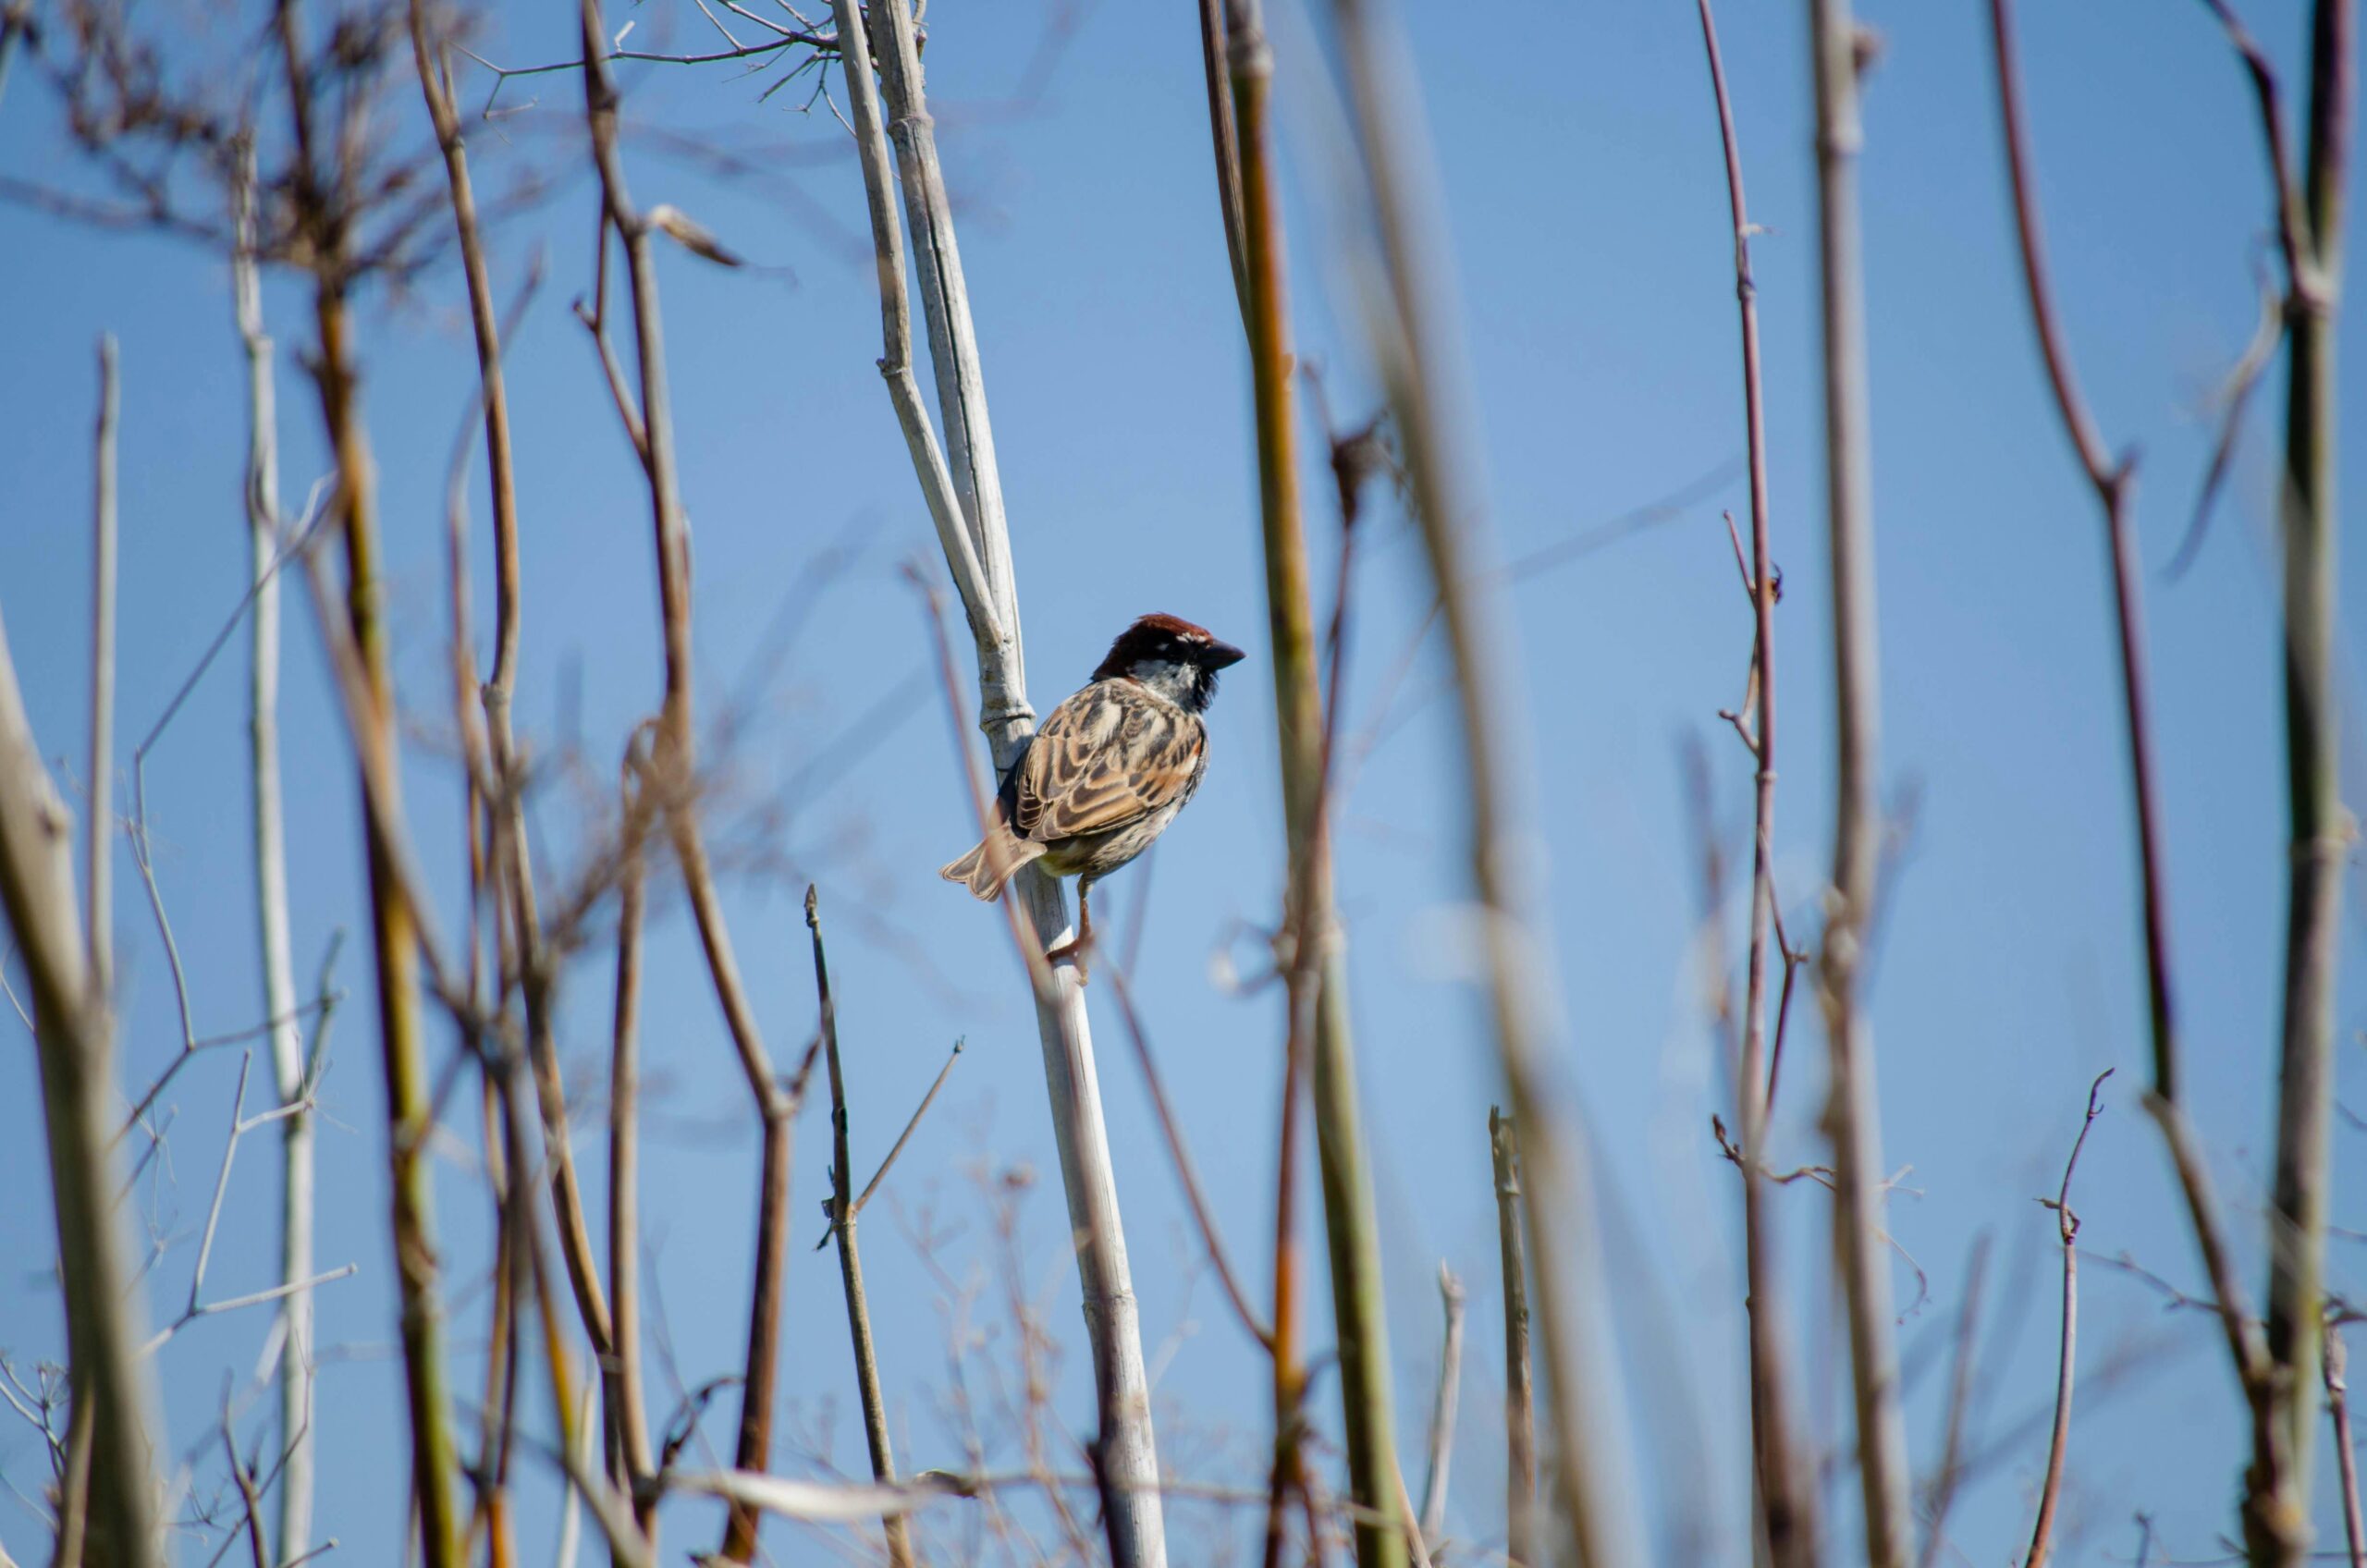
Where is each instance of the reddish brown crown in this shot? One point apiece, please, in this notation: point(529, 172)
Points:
point(1167, 637)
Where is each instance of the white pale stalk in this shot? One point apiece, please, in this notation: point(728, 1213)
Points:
point(977, 547)
point(295, 1523)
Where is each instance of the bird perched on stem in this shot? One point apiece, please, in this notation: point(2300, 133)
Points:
point(1108, 769)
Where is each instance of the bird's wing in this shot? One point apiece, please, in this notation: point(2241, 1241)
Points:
point(1109, 755)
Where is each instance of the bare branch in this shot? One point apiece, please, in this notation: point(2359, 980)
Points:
point(2354, 1522)
point(1786, 1489)
point(2060, 1444)
point(843, 1225)
point(976, 543)
point(2293, 234)
point(625, 1406)
point(294, 1525)
point(1520, 1410)
point(905, 1137)
point(1408, 330)
point(2269, 1516)
point(249, 1499)
point(1442, 1407)
point(2322, 831)
point(1852, 1113)
point(1319, 1050)
point(2235, 396)
point(401, 916)
point(75, 1050)
point(1224, 137)
point(98, 878)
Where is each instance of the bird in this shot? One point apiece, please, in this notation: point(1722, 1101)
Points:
point(1108, 769)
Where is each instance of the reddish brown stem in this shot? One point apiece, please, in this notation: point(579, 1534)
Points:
point(1787, 1487)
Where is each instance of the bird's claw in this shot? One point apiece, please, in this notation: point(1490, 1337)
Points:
point(1073, 950)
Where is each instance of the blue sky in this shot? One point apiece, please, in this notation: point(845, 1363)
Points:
point(1588, 224)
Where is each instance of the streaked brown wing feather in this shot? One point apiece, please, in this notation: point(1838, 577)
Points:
point(1109, 755)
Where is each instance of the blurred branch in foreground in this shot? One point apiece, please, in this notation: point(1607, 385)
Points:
point(113, 1408)
point(1409, 325)
point(1853, 1112)
point(1315, 968)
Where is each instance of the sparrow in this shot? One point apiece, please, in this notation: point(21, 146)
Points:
point(1108, 769)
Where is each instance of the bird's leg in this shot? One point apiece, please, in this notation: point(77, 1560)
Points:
point(1077, 946)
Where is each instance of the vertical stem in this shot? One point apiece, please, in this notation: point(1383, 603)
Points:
point(1852, 1115)
point(674, 772)
point(294, 1525)
point(843, 1215)
point(1317, 960)
point(2271, 1527)
point(1520, 1409)
point(393, 930)
point(977, 551)
point(394, 940)
point(113, 1407)
point(98, 878)
point(2058, 1446)
point(1226, 141)
point(514, 865)
point(2059, 1440)
point(1786, 1489)
point(2337, 1384)
point(1407, 324)
point(1443, 1407)
point(753, 1450)
point(2321, 827)
point(625, 1404)
point(505, 1164)
point(945, 306)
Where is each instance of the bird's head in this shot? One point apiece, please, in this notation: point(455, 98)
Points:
point(1173, 657)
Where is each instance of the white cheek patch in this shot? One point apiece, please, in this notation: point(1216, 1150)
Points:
point(1168, 678)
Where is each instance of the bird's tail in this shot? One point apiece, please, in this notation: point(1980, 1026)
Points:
point(995, 860)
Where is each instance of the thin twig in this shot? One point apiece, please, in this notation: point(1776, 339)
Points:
point(2235, 397)
point(538, 983)
point(843, 1224)
point(1442, 1407)
point(1786, 1491)
point(1951, 1473)
point(248, 1497)
point(2060, 1444)
point(2292, 220)
point(1224, 137)
point(1185, 1170)
point(674, 768)
point(98, 878)
point(2334, 1372)
point(905, 1137)
point(1520, 1412)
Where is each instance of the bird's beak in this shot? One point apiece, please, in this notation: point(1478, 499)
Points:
point(1220, 655)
